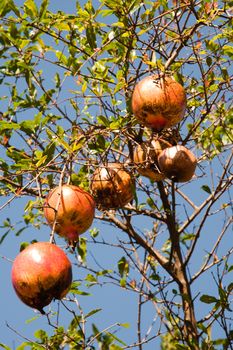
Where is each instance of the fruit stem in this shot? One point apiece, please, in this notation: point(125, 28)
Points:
point(42, 311)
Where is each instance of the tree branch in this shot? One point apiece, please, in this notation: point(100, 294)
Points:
point(133, 234)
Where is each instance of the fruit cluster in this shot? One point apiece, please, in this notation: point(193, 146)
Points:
point(42, 271)
point(159, 103)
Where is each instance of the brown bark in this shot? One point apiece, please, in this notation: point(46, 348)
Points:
point(178, 271)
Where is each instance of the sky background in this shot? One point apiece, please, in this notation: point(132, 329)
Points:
point(118, 305)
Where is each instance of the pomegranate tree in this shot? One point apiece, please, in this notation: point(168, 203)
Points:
point(40, 273)
point(112, 186)
point(158, 102)
point(177, 163)
point(70, 209)
point(146, 158)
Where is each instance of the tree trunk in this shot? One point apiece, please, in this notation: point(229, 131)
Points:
point(178, 272)
point(190, 332)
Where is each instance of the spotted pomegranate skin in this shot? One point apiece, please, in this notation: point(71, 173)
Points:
point(146, 158)
point(112, 186)
point(72, 208)
point(158, 102)
point(40, 273)
point(177, 163)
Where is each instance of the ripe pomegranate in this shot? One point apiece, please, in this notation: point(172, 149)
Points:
point(40, 273)
point(177, 163)
point(146, 158)
point(158, 102)
point(112, 186)
point(71, 208)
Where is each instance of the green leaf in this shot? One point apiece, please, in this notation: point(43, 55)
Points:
point(181, 347)
point(28, 126)
point(59, 139)
point(123, 267)
point(74, 289)
point(206, 189)
point(155, 277)
point(103, 272)
point(24, 345)
point(90, 278)
point(49, 151)
point(101, 119)
point(117, 339)
point(41, 161)
point(41, 334)
point(20, 231)
point(125, 325)
point(208, 299)
point(230, 287)
point(115, 347)
point(8, 6)
point(94, 232)
point(91, 37)
point(23, 245)
point(43, 8)
point(228, 50)
point(95, 330)
point(118, 25)
point(123, 282)
point(32, 319)
point(30, 8)
point(82, 248)
point(209, 61)
point(4, 236)
point(5, 346)
point(80, 292)
point(75, 323)
point(93, 312)
point(8, 125)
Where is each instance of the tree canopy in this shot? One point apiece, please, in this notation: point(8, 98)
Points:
point(66, 87)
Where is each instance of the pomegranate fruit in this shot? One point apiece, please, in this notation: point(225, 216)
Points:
point(177, 163)
point(112, 186)
point(71, 208)
point(40, 273)
point(146, 158)
point(158, 102)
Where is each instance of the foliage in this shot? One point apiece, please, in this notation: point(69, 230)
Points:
point(66, 84)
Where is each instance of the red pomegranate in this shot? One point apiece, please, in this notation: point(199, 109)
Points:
point(40, 273)
point(112, 186)
point(158, 102)
point(177, 163)
point(72, 208)
point(146, 158)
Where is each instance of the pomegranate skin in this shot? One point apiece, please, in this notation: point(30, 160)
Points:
point(72, 208)
point(177, 163)
point(158, 103)
point(40, 273)
point(146, 158)
point(112, 186)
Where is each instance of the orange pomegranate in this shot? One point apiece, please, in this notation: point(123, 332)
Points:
point(158, 102)
point(177, 163)
point(71, 208)
point(40, 273)
point(146, 158)
point(112, 186)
